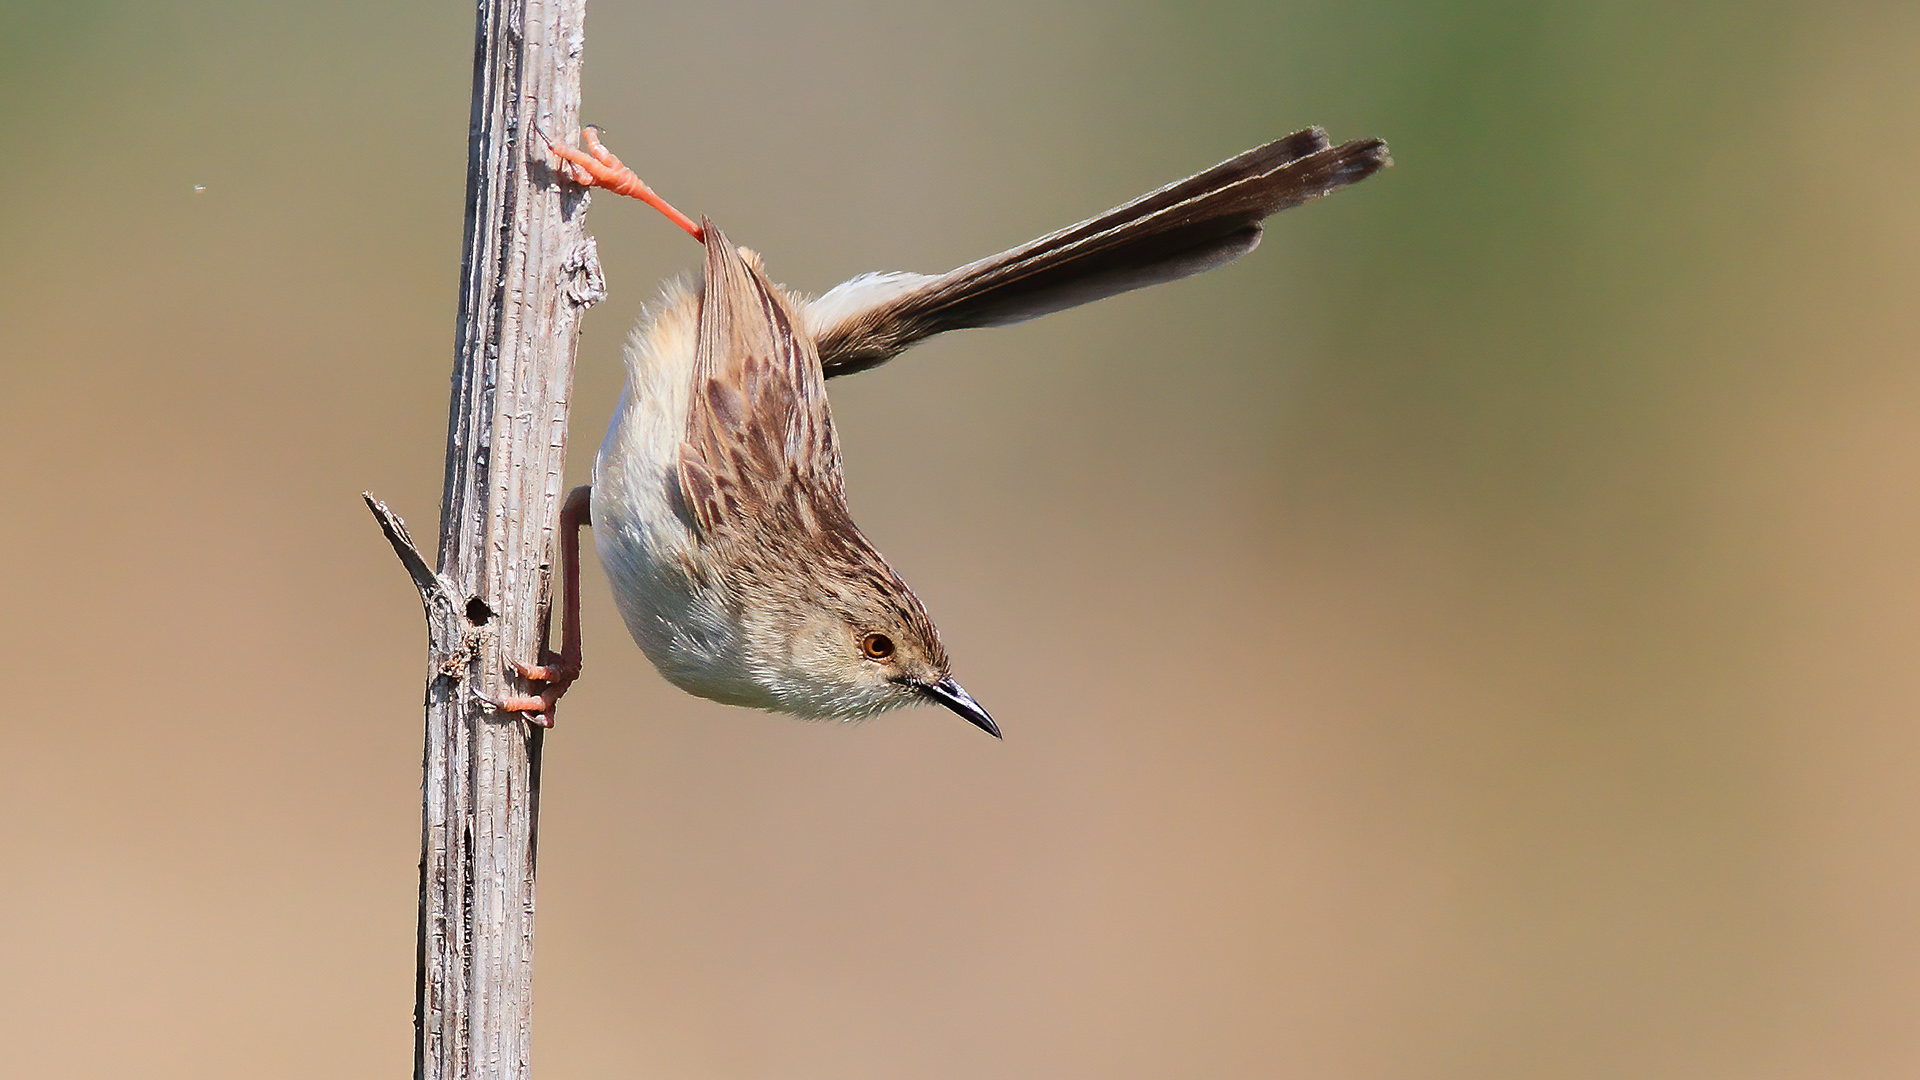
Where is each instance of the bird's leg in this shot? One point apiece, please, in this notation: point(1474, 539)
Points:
point(557, 671)
point(597, 167)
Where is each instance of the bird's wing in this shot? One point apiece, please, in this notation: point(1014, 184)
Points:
point(759, 439)
point(1187, 227)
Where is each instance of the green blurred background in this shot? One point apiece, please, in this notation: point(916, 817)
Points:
point(1472, 637)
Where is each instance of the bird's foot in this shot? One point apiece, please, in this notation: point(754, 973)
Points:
point(555, 675)
point(596, 166)
point(593, 167)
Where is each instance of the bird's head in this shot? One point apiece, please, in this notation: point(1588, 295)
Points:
point(841, 636)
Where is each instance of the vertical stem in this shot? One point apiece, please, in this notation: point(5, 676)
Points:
point(529, 272)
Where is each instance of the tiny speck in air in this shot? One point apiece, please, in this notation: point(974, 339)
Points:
point(199, 187)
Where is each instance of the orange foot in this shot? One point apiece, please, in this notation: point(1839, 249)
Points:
point(597, 167)
point(555, 673)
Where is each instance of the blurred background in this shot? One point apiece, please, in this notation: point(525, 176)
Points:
point(1472, 637)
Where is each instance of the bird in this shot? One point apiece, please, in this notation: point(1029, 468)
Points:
point(718, 502)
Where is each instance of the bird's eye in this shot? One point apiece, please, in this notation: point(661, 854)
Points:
point(876, 646)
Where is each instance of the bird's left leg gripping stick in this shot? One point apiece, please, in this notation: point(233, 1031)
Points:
point(595, 167)
point(556, 671)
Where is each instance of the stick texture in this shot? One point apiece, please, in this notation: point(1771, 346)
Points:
point(528, 273)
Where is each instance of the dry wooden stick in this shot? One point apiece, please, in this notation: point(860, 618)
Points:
point(529, 271)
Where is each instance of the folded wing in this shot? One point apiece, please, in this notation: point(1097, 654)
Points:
point(759, 438)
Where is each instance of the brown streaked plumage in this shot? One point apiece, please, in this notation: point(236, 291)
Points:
point(718, 504)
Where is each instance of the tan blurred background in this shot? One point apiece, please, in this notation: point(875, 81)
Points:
point(1472, 637)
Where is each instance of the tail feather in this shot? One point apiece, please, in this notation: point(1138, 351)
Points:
point(1187, 227)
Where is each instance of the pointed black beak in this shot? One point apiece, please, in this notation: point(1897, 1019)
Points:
point(948, 693)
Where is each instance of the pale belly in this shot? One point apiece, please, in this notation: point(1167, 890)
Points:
point(685, 627)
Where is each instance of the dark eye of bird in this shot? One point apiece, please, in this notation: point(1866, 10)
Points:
point(876, 646)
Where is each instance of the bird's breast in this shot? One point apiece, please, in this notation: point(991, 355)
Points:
point(672, 596)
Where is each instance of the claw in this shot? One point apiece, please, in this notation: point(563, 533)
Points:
point(551, 669)
point(556, 675)
point(537, 708)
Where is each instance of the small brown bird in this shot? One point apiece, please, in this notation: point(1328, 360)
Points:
point(717, 499)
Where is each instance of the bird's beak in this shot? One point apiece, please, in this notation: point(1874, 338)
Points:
point(948, 693)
